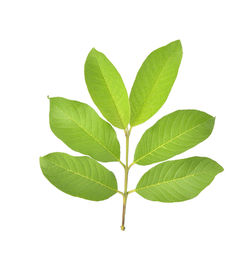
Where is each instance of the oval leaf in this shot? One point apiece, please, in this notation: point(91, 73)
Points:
point(154, 81)
point(79, 176)
point(107, 89)
point(178, 180)
point(172, 135)
point(80, 128)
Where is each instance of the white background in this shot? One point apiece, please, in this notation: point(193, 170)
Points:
point(43, 48)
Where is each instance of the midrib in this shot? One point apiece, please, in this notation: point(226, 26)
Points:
point(152, 89)
point(83, 176)
point(106, 84)
point(168, 181)
point(98, 141)
point(169, 141)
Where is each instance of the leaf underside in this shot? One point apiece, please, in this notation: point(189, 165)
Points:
point(107, 89)
point(178, 180)
point(154, 81)
point(172, 135)
point(79, 176)
point(80, 128)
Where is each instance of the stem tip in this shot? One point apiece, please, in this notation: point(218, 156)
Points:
point(122, 227)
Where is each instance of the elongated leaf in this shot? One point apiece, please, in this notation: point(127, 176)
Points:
point(107, 89)
point(178, 180)
point(79, 176)
point(154, 81)
point(80, 128)
point(172, 135)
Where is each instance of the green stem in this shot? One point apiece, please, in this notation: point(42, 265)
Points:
point(126, 168)
point(122, 164)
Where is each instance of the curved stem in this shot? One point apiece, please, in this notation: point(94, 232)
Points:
point(131, 165)
point(122, 164)
point(125, 194)
point(131, 191)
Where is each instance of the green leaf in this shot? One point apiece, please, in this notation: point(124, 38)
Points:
point(79, 176)
point(154, 81)
point(172, 135)
point(107, 89)
point(80, 128)
point(178, 180)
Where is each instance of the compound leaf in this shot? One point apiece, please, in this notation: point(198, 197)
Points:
point(172, 135)
point(154, 81)
point(80, 128)
point(107, 89)
point(79, 176)
point(178, 180)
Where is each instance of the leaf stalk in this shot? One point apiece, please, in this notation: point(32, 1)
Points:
point(126, 169)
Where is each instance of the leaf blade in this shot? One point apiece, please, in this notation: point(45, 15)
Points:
point(79, 176)
point(178, 180)
point(107, 89)
point(154, 81)
point(172, 135)
point(81, 129)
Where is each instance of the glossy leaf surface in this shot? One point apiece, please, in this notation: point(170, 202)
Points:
point(172, 135)
point(79, 176)
point(154, 81)
point(178, 180)
point(107, 89)
point(80, 128)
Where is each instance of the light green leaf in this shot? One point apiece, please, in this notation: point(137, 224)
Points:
point(172, 135)
point(154, 81)
point(178, 180)
point(107, 89)
point(80, 128)
point(79, 176)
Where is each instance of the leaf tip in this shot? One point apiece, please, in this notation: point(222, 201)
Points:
point(221, 168)
point(93, 51)
point(178, 43)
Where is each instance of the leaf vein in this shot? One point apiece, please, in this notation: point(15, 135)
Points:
point(83, 176)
